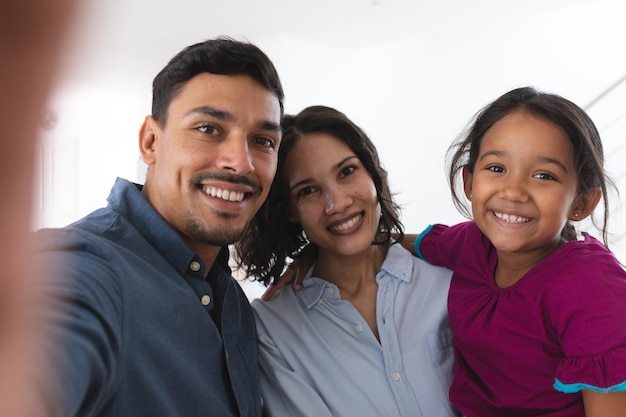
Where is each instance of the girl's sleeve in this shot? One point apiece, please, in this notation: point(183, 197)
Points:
point(442, 245)
point(590, 323)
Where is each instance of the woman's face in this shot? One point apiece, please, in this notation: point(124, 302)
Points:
point(331, 195)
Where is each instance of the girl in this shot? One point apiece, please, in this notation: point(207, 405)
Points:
point(368, 334)
point(537, 314)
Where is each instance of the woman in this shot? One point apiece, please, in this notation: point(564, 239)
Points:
point(368, 335)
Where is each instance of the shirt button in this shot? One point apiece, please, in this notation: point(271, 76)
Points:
point(359, 328)
point(194, 266)
point(205, 300)
point(331, 291)
point(395, 376)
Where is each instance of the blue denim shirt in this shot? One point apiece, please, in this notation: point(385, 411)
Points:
point(319, 358)
point(138, 330)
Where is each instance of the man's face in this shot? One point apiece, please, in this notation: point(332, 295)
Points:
point(213, 161)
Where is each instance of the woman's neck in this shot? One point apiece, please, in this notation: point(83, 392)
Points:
point(350, 273)
point(355, 276)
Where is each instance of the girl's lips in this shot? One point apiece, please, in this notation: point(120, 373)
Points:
point(511, 218)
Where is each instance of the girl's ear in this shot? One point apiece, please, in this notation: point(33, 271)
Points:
point(467, 182)
point(585, 204)
point(147, 140)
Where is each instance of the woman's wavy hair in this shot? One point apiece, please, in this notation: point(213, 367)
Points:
point(580, 129)
point(270, 240)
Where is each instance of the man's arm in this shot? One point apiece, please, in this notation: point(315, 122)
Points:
point(32, 40)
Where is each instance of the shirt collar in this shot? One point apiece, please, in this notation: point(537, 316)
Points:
point(126, 199)
point(395, 266)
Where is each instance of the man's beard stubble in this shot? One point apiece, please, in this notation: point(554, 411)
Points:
point(218, 236)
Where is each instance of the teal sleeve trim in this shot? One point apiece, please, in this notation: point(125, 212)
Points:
point(572, 388)
point(418, 242)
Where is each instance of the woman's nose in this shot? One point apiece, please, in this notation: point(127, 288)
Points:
point(336, 201)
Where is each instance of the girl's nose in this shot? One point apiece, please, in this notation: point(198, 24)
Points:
point(514, 189)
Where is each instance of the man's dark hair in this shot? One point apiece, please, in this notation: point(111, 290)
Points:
point(223, 56)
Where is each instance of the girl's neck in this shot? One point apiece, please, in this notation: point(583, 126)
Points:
point(511, 267)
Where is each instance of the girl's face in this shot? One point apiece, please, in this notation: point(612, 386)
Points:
point(331, 195)
point(523, 188)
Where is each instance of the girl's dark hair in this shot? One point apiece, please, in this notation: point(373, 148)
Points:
point(224, 56)
point(582, 132)
point(270, 239)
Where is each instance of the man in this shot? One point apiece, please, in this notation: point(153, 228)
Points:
point(147, 318)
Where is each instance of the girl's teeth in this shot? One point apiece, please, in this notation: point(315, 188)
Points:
point(509, 218)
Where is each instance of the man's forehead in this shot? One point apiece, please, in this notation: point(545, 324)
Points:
point(227, 97)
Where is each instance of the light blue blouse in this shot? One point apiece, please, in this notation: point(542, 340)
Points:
point(319, 358)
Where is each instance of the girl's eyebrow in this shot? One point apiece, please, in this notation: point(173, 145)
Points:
point(554, 161)
point(544, 159)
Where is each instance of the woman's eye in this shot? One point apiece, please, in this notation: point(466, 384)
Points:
point(305, 191)
point(347, 171)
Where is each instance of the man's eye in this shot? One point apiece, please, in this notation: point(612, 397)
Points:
point(207, 129)
point(265, 142)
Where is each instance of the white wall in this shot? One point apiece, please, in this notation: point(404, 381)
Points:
point(412, 80)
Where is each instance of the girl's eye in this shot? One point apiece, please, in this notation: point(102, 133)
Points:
point(495, 168)
point(544, 176)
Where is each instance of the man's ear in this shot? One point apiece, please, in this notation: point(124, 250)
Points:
point(467, 182)
point(585, 204)
point(148, 133)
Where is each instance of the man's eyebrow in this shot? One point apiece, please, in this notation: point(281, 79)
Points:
point(269, 125)
point(211, 111)
point(228, 117)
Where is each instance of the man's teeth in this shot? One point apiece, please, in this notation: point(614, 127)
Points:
point(510, 218)
point(348, 224)
point(224, 194)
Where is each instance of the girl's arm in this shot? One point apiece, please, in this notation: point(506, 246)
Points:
point(599, 404)
point(408, 242)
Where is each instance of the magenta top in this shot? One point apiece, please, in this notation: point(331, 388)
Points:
point(529, 349)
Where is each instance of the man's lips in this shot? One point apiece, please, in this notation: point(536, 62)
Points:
point(224, 194)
